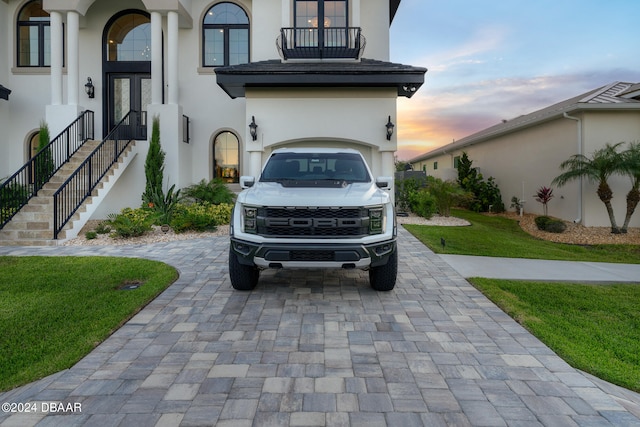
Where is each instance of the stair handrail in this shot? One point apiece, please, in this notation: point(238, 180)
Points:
point(19, 188)
point(81, 183)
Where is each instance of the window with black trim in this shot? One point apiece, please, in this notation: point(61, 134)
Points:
point(33, 36)
point(322, 21)
point(225, 36)
point(226, 157)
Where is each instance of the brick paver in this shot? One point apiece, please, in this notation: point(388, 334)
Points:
point(312, 347)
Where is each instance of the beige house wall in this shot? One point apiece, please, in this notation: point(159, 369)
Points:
point(523, 161)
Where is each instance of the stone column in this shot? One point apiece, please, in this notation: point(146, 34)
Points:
point(156, 58)
point(73, 51)
point(173, 56)
point(56, 57)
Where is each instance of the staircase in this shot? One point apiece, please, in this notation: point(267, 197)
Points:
point(34, 224)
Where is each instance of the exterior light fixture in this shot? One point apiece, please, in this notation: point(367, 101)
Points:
point(390, 127)
point(253, 128)
point(88, 87)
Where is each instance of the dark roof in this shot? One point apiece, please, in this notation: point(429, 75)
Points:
point(393, 8)
point(364, 73)
point(614, 96)
point(4, 92)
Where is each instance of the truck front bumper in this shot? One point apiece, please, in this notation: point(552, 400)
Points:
point(320, 255)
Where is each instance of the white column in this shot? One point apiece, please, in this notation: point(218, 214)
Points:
point(55, 22)
point(156, 58)
point(355, 14)
point(73, 51)
point(172, 53)
point(285, 14)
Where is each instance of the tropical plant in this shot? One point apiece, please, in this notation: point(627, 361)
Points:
point(603, 163)
point(154, 165)
point(404, 189)
point(214, 192)
point(544, 195)
point(486, 194)
point(516, 203)
point(164, 205)
point(631, 167)
point(44, 158)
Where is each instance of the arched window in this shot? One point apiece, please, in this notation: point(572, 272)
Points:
point(34, 36)
point(129, 38)
point(225, 36)
point(226, 156)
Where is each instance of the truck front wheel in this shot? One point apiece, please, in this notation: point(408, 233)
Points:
point(383, 278)
point(243, 277)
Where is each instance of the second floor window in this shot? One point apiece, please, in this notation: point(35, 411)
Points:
point(225, 36)
point(34, 36)
point(322, 21)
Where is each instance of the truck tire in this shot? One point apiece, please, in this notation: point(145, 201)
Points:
point(383, 278)
point(243, 277)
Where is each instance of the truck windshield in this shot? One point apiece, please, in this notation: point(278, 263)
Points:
point(302, 167)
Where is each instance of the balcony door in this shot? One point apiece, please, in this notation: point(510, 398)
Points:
point(321, 23)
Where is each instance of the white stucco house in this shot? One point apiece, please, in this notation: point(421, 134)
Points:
point(229, 80)
point(524, 154)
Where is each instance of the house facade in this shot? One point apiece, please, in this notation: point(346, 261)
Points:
point(524, 154)
point(230, 81)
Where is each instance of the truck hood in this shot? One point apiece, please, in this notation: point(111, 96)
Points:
point(274, 194)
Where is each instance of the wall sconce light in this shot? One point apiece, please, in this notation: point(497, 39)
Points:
point(88, 87)
point(253, 128)
point(390, 127)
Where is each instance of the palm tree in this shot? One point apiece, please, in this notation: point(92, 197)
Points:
point(598, 168)
point(631, 162)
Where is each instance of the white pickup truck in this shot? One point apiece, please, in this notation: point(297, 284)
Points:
point(314, 208)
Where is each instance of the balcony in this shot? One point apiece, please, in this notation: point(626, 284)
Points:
point(321, 43)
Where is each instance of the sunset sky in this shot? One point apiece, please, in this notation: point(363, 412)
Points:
point(490, 60)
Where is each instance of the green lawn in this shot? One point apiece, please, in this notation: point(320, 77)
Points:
point(55, 310)
point(595, 328)
point(502, 237)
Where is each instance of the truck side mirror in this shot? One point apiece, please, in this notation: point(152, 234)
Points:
point(384, 182)
point(247, 182)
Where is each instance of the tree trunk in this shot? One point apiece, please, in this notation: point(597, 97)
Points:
point(633, 198)
point(605, 194)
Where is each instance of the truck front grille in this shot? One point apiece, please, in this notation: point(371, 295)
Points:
point(313, 222)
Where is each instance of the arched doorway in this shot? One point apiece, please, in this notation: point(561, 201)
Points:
point(226, 157)
point(127, 69)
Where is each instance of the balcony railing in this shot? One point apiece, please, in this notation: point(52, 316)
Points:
point(321, 43)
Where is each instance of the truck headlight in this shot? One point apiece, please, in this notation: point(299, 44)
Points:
point(376, 220)
point(249, 219)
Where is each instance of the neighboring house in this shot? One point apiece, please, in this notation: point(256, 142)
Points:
point(230, 80)
point(525, 153)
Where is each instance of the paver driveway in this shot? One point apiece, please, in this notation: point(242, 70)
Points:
point(314, 348)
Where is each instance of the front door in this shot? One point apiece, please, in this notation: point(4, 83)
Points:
point(129, 92)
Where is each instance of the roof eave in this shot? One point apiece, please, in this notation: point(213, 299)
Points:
point(505, 129)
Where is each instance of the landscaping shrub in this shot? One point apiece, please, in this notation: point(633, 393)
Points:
point(423, 203)
point(200, 216)
point(103, 228)
point(131, 222)
point(486, 194)
point(404, 190)
point(214, 192)
point(447, 194)
point(549, 224)
point(90, 235)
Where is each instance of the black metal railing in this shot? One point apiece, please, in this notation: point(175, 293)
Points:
point(317, 43)
point(79, 186)
point(20, 187)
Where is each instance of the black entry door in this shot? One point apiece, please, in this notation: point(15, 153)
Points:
point(129, 92)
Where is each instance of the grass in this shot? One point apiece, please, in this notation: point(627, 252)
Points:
point(502, 237)
point(594, 328)
point(55, 310)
